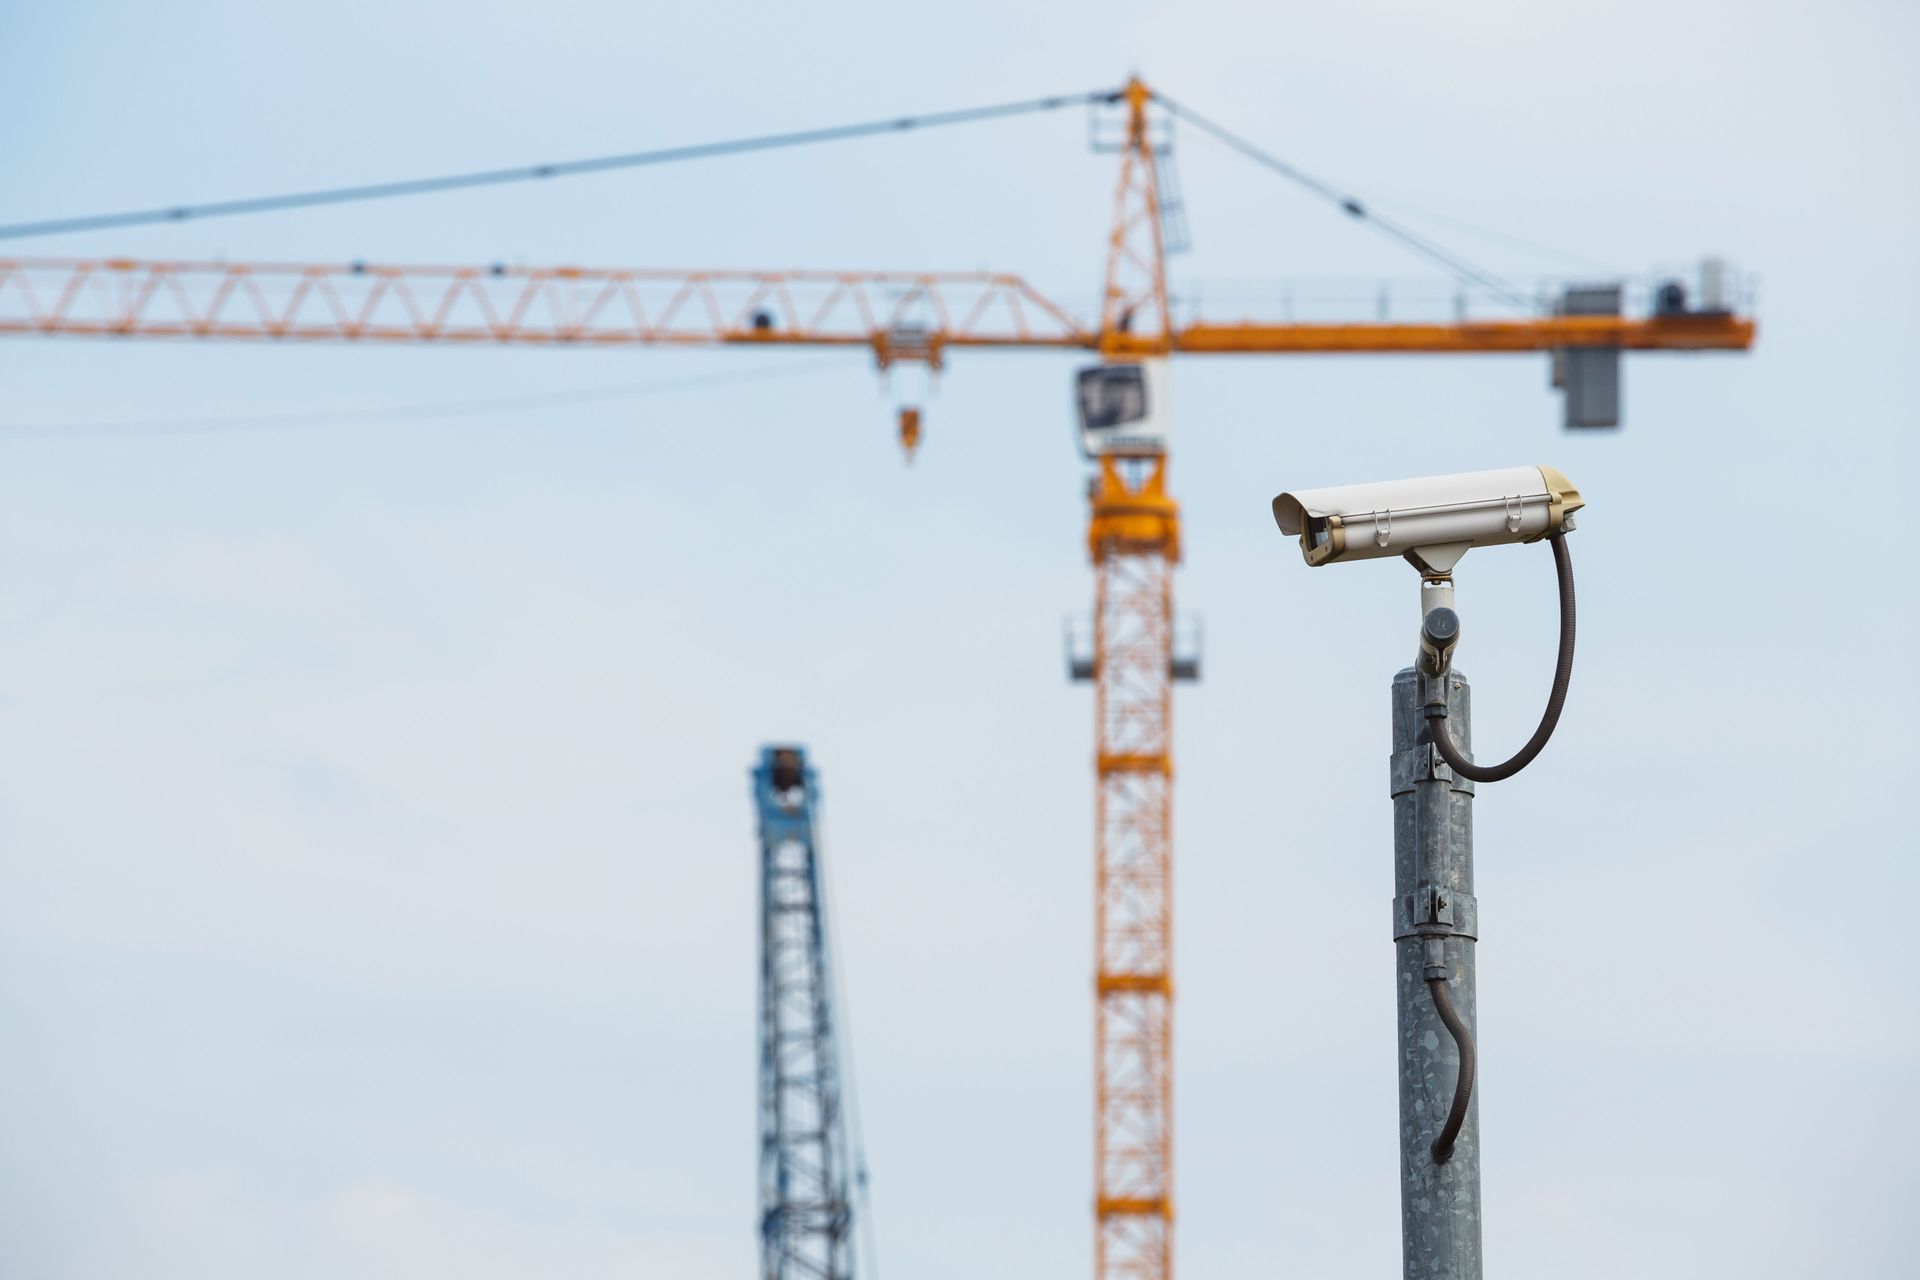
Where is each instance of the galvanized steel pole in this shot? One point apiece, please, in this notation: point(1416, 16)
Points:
point(1435, 923)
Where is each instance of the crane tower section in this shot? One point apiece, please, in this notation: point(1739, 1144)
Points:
point(806, 1210)
point(1134, 539)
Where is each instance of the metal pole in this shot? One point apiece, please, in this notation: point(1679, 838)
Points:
point(1435, 922)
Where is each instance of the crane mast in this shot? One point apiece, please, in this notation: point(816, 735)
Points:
point(1133, 537)
point(806, 1209)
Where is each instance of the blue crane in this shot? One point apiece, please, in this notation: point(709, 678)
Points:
point(806, 1209)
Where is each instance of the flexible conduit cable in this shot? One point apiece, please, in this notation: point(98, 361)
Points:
point(1437, 729)
point(1556, 701)
point(1463, 1085)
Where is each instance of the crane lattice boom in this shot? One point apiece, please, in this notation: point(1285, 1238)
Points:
point(898, 315)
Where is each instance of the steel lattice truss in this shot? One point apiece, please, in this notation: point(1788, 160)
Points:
point(916, 316)
point(900, 315)
point(1133, 639)
point(806, 1215)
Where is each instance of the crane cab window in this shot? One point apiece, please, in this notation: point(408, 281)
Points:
point(1112, 395)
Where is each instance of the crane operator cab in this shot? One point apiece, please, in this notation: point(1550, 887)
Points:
point(1123, 409)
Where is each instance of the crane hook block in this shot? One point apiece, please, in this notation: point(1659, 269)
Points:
point(909, 430)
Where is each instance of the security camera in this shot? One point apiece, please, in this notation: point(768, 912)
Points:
point(1432, 522)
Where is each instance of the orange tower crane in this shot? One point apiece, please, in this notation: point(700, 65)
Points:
point(1133, 536)
point(919, 318)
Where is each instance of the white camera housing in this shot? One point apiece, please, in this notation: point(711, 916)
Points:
point(1431, 522)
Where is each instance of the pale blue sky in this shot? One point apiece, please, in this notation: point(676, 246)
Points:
point(376, 865)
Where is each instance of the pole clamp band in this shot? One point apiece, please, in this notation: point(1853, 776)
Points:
point(1436, 690)
point(1424, 763)
point(1432, 910)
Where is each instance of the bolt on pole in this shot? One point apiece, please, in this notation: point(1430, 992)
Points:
point(1435, 925)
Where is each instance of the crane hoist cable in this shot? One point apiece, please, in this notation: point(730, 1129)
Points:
point(559, 169)
point(1350, 204)
point(1567, 259)
point(1455, 264)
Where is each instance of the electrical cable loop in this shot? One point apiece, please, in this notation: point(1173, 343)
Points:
point(1556, 700)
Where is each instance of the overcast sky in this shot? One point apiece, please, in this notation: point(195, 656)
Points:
point(377, 871)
